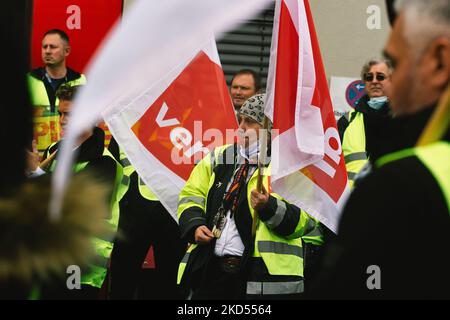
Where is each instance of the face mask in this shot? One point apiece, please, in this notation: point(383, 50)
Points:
point(377, 102)
point(251, 153)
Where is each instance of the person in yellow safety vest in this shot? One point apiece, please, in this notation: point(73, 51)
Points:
point(43, 82)
point(233, 256)
point(394, 234)
point(360, 133)
point(91, 157)
point(144, 223)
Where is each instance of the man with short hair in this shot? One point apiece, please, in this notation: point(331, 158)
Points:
point(359, 133)
point(245, 83)
point(44, 81)
point(394, 234)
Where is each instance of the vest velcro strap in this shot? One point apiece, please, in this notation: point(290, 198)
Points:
point(125, 162)
point(351, 175)
point(185, 257)
point(125, 180)
point(355, 157)
point(279, 248)
point(270, 288)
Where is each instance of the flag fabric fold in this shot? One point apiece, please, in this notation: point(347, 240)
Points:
point(310, 172)
point(166, 130)
point(139, 60)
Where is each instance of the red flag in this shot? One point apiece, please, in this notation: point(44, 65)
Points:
point(175, 123)
point(196, 101)
point(311, 172)
point(86, 22)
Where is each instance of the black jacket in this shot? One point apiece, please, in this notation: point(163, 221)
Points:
point(396, 219)
point(102, 167)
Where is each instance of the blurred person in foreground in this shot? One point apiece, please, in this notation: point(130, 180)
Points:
point(33, 247)
point(394, 234)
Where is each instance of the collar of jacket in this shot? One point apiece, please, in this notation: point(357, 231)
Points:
point(402, 132)
point(362, 106)
point(39, 73)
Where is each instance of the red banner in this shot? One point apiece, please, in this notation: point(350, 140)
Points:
point(85, 21)
point(175, 127)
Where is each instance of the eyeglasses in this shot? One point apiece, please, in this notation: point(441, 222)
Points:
point(379, 76)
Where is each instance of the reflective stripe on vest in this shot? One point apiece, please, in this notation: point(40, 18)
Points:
point(125, 162)
point(197, 200)
point(278, 217)
point(279, 248)
point(272, 288)
point(434, 156)
point(184, 261)
point(354, 146)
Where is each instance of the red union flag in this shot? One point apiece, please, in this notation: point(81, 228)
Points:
point(311, 172)
point(175, 123)
point(196, 101)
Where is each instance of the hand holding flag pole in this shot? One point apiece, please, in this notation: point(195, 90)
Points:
point(46, 163)
point(261, 165)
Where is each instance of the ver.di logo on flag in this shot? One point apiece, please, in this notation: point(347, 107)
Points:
point(172, 127)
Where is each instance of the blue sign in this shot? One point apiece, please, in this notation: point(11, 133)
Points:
point(355, 91)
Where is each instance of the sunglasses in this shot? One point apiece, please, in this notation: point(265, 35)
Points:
point(379, 76)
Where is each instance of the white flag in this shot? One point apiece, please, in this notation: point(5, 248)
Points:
point(310, 172)
point(153, 40)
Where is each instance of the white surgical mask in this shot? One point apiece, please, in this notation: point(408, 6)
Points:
point(377, 102)
point(251, 153)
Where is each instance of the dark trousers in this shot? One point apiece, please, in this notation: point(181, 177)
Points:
point(144, 223)
point(216, 284)
point(59, 291)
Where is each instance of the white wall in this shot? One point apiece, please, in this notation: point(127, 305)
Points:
point(345, 41)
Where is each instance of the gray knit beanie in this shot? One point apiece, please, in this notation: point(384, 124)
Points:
point(254, 108)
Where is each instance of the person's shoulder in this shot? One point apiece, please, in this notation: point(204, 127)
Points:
point(37, 73)
point(398, 188)
point(104, 165)
point(391, 191)
point(401, 175)
point(107, 160)
point(402, 170)
point(73, 75)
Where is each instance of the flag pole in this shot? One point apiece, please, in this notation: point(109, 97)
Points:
point(262, 159)
point(439, 122)
point(48, 161)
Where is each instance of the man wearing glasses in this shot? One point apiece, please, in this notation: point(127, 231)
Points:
point(359, 133)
